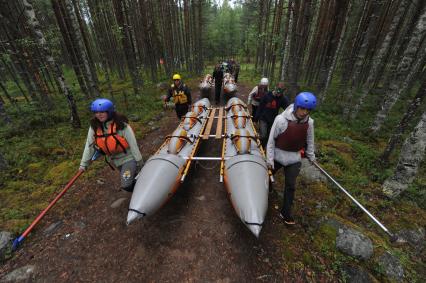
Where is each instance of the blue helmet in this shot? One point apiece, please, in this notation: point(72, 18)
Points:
point(102, 105)
point(305, 100)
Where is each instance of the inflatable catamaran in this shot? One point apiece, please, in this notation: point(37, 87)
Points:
point(243, 167)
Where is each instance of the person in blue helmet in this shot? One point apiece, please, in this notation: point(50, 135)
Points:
point(110, 134)
point(292, 131)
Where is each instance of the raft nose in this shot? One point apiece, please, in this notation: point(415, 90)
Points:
point(255, 229)
point(133, 215)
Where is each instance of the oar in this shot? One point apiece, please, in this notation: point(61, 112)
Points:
point(392, 236)
point(18, 240)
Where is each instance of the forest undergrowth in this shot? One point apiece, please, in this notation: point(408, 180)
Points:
point(43, 153)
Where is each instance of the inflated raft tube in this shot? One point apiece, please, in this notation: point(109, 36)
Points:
point(161, 175)
point(245, 172)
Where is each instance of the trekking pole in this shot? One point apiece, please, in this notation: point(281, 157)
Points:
point(392, 236)
point(18, 240)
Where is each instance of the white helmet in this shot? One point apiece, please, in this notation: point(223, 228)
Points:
point(264, 81)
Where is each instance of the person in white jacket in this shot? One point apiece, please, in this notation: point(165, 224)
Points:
point(256, 95)
point(292, 131)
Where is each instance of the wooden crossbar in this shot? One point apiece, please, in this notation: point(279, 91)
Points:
point(209, 124)
point(219, 124)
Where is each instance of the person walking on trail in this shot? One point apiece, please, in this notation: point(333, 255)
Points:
point(268, 109)
point(236, 72)
point(256, 95)
point(181, 96)
point(218, 80)
point(292, 131)
point(111, 135)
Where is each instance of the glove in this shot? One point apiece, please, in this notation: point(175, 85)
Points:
point(82, 168)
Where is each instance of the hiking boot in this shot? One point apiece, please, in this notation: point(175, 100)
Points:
point(288, 220)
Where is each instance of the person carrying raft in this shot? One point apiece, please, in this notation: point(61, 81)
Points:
point(111, 135)
point(181, 96)
point(268, 109)
point(292, 131)
point(256, 95)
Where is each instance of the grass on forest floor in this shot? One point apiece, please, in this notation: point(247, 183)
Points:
point(43, 152)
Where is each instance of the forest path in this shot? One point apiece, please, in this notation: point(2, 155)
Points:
point(195, 237)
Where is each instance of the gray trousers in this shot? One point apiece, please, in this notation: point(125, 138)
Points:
point(127, 174)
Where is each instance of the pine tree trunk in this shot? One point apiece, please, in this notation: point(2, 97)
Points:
point(80, 43)
point(6, 119)
point(406, 119)
point(261, 9)
point(12, 101)
point(69, 46)
point(316, 41)
point(39, 36)
point(411, 156)
point(86, 44)
point(187, 34)
point(13, 35)
point(362, 52)
point(380, 58)
point(127, 45)
point(200, 37)
point(276, 32)
point(323, 93)
point(298, 42)
point(356, 40)
point(286, 41)
point(407, 69)
point(387, 74)
point(13, 75)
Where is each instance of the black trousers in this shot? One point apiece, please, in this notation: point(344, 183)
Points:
point(264, 130)
point(290, 175)
point(217, 91)
point(253, 112)
point(181, 109)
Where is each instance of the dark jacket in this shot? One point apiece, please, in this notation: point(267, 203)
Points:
point(269, 107)
point(218, 76)
point(179, 93)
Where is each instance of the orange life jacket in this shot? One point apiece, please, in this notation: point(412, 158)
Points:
point(110, 142)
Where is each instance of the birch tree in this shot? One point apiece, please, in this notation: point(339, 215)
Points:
point(39, 36)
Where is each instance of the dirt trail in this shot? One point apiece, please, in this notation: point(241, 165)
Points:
point(195, 237)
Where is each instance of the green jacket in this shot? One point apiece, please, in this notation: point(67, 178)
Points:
point(132, 153)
